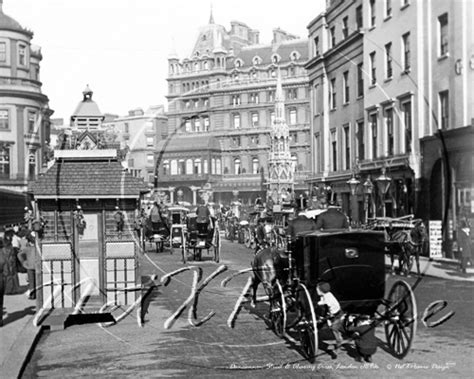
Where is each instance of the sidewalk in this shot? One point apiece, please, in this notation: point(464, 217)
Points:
point(18, 336)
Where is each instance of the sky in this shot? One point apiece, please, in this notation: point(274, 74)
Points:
point(120, 47)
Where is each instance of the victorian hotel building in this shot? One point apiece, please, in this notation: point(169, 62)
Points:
point(392, 107)
point(220, 111)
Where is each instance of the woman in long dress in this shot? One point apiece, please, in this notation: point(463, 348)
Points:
point(10, 273)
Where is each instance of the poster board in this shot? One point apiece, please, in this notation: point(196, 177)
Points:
point(436, 238)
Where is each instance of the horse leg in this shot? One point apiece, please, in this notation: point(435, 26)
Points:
point(417, 260)
point(254, 285)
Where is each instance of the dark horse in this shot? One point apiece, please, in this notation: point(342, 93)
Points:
point(406, 245)
point(268, 266)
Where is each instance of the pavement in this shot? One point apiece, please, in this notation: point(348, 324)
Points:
point(18, 336)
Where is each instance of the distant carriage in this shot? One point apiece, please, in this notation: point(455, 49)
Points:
point(404, 238)
point(203, 236)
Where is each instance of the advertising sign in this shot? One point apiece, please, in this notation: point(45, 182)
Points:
point(436, 238)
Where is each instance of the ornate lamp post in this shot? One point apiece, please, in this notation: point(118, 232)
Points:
point(383, 184)
point(353, 184)
point(368, 189)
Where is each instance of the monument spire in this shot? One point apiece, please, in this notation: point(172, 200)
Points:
point(280, 163)
point(211, 18)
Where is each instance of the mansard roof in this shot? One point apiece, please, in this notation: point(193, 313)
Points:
point(265, 52)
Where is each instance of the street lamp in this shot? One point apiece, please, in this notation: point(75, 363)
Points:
point(353, 184)
point(368, 189)
point(383, 184)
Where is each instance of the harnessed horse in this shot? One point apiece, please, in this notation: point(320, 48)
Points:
point(406, 245)
point(268, 266)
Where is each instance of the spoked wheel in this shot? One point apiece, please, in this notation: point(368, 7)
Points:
point(247, 238)
point(278, 312)
point(308, 330)
point(401, 315)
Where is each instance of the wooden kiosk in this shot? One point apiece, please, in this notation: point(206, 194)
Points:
point(85, 251)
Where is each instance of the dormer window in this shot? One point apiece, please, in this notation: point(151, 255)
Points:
point(294, 56)
point(256, 61)
point(204, 37)
point(238, 63)
point(275, 59)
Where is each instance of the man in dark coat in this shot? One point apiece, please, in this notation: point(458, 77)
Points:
point(299, 224)
point(333, 218)
point(464, 243)
point(3, 262)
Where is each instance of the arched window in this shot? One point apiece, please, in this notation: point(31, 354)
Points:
point(196, 66)
point(181, 167)
point(255, 166)
point(213, 166)
point(197, 166)
point(166, 167)
point(189, 166)
point(174, 167)
point(206, 65)
point(237, 166)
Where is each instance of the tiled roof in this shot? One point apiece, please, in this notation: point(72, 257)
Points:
point(188, 143)
point(87, 178)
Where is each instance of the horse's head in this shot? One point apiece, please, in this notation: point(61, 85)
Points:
point(418, 233)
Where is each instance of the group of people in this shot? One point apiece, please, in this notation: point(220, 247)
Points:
point(17, 256)
point(332, 218)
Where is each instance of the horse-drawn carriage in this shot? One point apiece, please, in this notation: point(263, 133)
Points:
point(156, 230)
point(404, 238)
point(202, 236)
point(178, 237)
point(353, 263)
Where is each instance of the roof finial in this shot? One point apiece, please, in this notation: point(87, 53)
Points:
point(211, 18)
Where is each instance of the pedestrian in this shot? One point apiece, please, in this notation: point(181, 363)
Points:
point(10, 271)
point(3, 263)
point(118, 218)
point(334, 311)
point(332, 218)
point(364, 337)
point(27, 258)
point(464, 243)
point(300, 223)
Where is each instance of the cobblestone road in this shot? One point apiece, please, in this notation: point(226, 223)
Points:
point(250, 349)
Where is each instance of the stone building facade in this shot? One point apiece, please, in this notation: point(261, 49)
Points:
point(225, 89)
point(410, 110)
point(24, 115)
